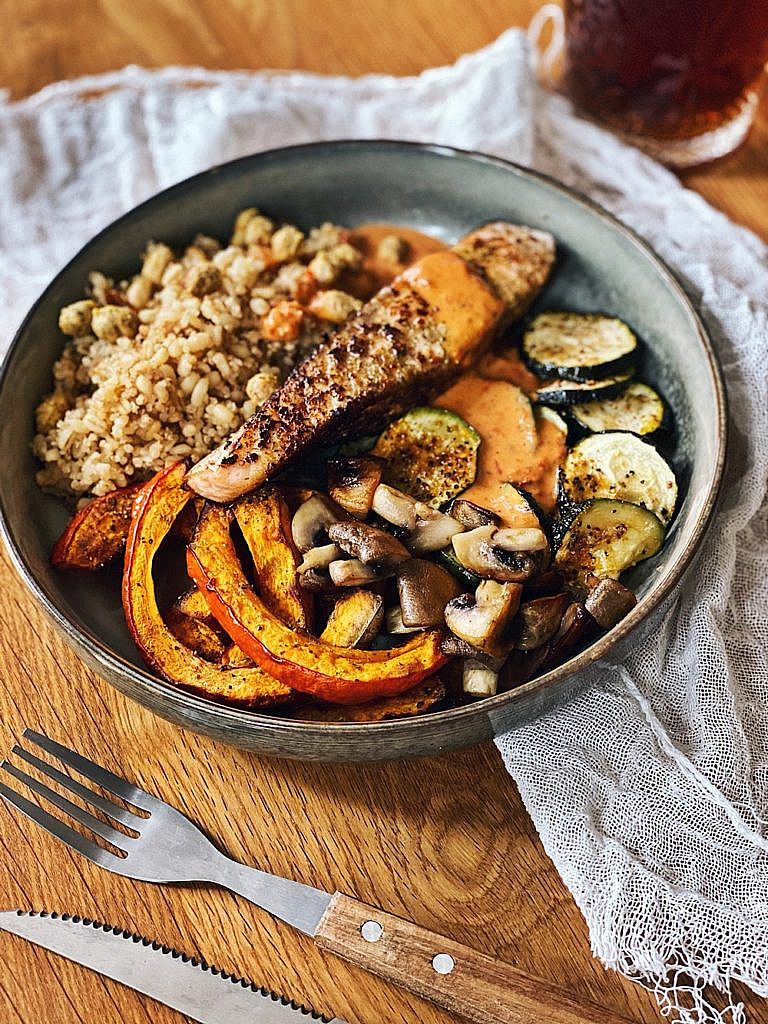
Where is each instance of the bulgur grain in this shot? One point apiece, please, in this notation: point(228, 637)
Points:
point(168, 363)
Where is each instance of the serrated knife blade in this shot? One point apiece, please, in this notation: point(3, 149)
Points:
point(203, 993)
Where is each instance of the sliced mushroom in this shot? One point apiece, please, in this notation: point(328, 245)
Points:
point(316, 581)
point(433, 530)
point(351, 572)
point(424, 589)
point(352, 483)
point(395, 506)
point(477, 551)
point(311, 521)
point(455, 647)
point(609, 602)
point(545, 585)
point(539, 620)
point(394, 621)
point(477, 680)
point(470, 515)
point(319, 558)
point(521, 539)
point(482, 619)
point(576, 629)
point(374, 547)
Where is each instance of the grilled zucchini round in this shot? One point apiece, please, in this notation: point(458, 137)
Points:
point(621, 465)
point(430, 454)
point(570, 392)
point(606, 538)
point(578, 346)
point(638, 408)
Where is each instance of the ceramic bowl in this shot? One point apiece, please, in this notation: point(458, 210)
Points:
point(602, 266)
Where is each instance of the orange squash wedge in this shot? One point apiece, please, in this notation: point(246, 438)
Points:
point(97, 533)
point(293, 656)
point(156, 509)
point(265, 522)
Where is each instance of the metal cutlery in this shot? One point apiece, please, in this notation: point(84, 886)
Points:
point(203, 993)
point(166, 847)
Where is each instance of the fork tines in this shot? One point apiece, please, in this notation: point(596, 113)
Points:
point(103, 778)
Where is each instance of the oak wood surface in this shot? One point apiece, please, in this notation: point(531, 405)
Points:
point(445, 843)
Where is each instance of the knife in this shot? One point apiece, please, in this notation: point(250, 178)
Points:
point(203, 993)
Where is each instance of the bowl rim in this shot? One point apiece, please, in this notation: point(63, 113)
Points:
point(249, 721)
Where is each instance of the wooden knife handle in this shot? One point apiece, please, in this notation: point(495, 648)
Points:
point(455, 977)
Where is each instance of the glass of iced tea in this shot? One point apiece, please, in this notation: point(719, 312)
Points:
point(680, 78)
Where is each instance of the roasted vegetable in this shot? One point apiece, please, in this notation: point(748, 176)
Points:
point(606, 538)
point(193, 604)
point(430, 454)
point(197, 635)
point(355, 620)
point(578, 346)
point(265, 524)
point(424, 590)
point(539, 620)
point(482, 620)
point(351, 572)
point(470, 515)
point(568, 392)
point(352, 483)
point(638, 408)
point(621, 466)
point(309, 526)
point(375, 548)
point(157, 506)
point(97, 533)
point(609, 602)
point(297, 658)
point(509, 556)
point(416, 701)
point(478, 680)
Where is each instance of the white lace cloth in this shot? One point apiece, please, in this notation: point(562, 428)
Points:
point(649, 791)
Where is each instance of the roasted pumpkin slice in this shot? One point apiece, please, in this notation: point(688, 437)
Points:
point(355, 620)
point(291, 655)
point(156, 509)
point(197, 635)
point(265, 522)
point(97, 533)
point(193, 604)
point(416, 701)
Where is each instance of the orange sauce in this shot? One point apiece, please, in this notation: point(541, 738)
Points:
point(517, 446)
point(509, 366)
point(377, 272)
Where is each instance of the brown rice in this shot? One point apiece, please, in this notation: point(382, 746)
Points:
point(165, 365)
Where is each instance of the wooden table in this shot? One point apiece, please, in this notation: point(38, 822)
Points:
point(444, 842)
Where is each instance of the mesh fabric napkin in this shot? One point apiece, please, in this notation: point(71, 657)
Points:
point(650, 790)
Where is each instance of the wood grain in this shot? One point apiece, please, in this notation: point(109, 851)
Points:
point(445, 843)
point(477, 987)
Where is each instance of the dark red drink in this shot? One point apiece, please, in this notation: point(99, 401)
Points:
point(665, 69)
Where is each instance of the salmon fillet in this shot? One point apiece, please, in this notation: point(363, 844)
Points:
point(404, 347)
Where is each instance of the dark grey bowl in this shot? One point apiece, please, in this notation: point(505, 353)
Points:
point(602, 267)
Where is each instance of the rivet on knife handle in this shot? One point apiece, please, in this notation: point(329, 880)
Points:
point(455, 977)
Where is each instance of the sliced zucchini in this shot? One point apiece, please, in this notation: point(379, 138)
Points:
point(430, 454)
point(606, 538)
point(578, 346)
point(447, 558)
point(543, 412)
point(621, 465)
point(639, 409)
point(569, 392)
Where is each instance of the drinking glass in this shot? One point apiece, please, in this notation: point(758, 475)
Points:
point(679, 78)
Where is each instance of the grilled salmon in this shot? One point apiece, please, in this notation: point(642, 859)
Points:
point(404, 347)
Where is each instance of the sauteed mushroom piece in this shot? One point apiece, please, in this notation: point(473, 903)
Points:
point(455, 647)
point(493, 553)
point(481, 619)
point(351, 572)
point(609, 602)
point(374, 547)
point(539, 620)
point(433, 530)
point(319, 558)
point(425, 589)
point(395, 506)
point(478, 680)
point(352, 483)
point(311, 521)
point(470, 515)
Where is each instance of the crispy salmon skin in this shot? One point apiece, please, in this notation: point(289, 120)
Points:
point(405, 346)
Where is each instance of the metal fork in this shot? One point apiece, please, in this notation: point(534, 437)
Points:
point(166, 847)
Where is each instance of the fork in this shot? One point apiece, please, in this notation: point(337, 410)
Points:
point(165, 847)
